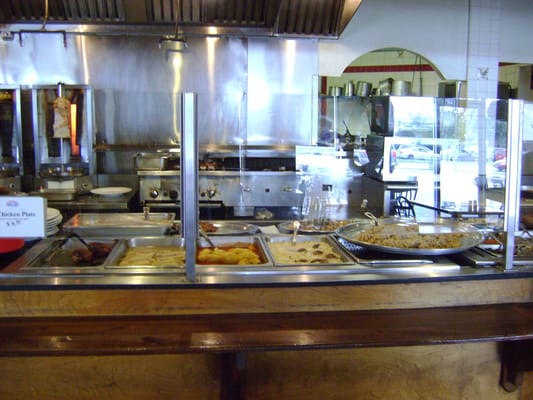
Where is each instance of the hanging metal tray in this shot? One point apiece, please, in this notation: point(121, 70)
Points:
point(469, 236)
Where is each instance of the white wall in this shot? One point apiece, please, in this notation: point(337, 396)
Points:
point(516, 31)
point(435, 29)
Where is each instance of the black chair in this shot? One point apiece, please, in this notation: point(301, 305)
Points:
point(402, 206)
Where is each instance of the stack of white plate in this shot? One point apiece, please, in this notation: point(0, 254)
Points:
point(53, 219)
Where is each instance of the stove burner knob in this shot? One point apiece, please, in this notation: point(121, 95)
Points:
point(173, 194)
point(154, 193)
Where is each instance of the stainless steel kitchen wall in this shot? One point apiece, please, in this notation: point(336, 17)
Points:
point(255, 91)
point(280, 94)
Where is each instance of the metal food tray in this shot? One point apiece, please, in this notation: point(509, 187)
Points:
point(307, 228)
point(120, 224)
point(342, 253)
point(231, 228)
point(126, 243)
point(472, 238)
point(222, 241)
point(57, 256)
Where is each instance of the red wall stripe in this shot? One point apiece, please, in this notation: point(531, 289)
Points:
point(398, 68)
point(390, 68)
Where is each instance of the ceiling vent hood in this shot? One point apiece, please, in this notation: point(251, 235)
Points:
point(283, 18)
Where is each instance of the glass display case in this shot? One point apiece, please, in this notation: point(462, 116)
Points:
point(467, 159)
point(470, 175)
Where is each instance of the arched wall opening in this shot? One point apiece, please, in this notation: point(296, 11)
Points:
point(389, 63)
point(424, 77)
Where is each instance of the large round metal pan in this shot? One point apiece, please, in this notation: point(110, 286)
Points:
point(470, 237)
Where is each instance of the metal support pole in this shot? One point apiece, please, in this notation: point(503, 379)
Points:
point(513, 175)
point(189, 180)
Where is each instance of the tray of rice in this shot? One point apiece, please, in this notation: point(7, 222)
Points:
point(414, 238)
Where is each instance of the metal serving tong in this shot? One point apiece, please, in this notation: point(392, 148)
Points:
point(372, 217)
point(73, 235)
point(369, 214)
point(207, 238)
point(295, 228)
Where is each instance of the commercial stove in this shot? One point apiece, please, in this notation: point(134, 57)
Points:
point(259, 186)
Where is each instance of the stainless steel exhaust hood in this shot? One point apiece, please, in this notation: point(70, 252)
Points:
point(283, 18)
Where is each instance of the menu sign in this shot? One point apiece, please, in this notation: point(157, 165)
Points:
point(22, 216)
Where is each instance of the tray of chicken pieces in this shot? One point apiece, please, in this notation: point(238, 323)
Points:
point(64, 255)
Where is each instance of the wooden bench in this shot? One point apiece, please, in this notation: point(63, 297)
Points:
point(235, 334)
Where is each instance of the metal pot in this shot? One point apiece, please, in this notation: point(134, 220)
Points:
point(348, 89)
point(335, 91)
point(385, 87)
point(363, 89)
point(401, 88)
point(151, 161)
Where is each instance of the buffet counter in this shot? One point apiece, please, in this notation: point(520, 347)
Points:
point(236, 329)
point(125, 249)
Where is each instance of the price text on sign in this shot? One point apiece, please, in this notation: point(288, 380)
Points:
point(22, 216)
